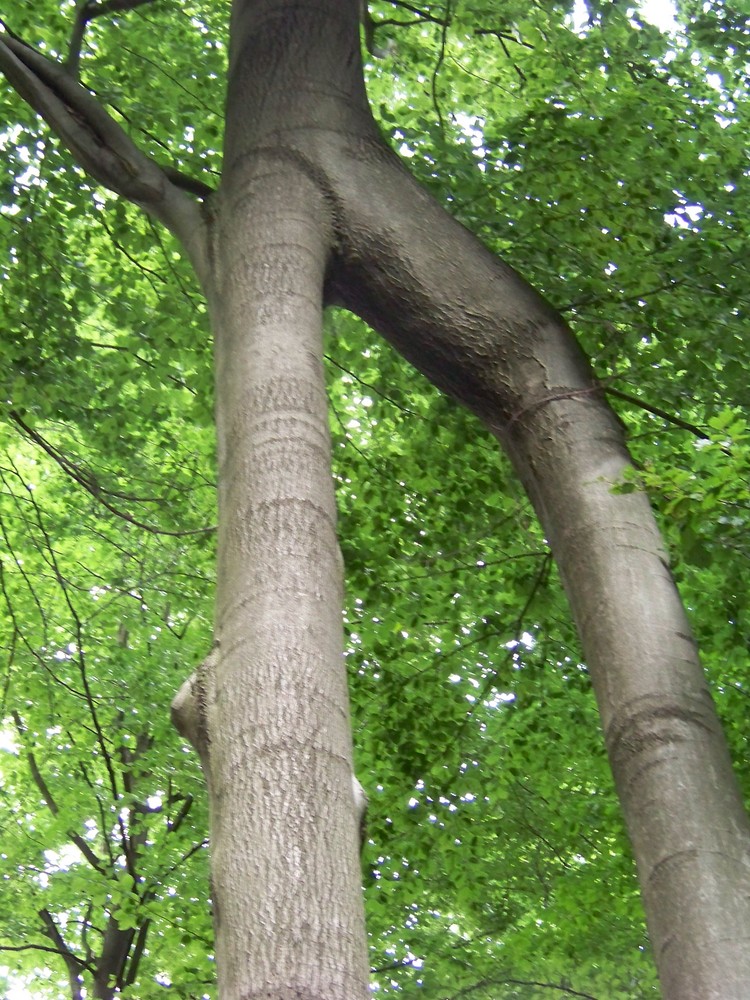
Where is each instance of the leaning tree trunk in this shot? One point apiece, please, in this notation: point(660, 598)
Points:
point(478, 331)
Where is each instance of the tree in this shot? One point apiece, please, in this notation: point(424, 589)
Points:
point(313, 208)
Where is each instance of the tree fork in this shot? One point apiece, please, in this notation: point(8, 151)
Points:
point(482, 334)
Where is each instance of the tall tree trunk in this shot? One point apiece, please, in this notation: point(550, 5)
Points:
point(273, 723)
point(477, 330)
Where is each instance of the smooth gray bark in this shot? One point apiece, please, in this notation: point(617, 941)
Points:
point(312, 204)
point(278, 757)
point(273, 721)
point(477, 330)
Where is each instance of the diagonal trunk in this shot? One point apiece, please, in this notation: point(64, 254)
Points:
point(477, 330)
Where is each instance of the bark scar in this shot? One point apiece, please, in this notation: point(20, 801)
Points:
point(559, 393)
point(189, 707)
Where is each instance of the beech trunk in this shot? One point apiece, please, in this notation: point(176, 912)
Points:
point(364, 235)
point(272, 704)
point(313, 208)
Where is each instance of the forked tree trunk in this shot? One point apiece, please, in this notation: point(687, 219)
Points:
point(311, 204)
point(300, 138)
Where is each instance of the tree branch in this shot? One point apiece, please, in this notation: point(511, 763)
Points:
point(422, 14)
point(100, 145)
point(657, 412)
point(567, 990)
point(52, 562)
point(86, 12)
point(90, 483)
point(504, 35)
point(47, 949)
point(94, 138)
point(187, 183)
point(73, 964)
point(51, 802)
point(73, 58)
point(137, 953)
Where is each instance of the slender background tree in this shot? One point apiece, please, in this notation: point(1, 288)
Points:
point(602, 157)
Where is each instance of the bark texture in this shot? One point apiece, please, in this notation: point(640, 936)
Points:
point(269, 708)
point(482, 334)
point(313, 203)
point(477, 330)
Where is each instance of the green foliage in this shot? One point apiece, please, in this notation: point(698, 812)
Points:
point(605, 159)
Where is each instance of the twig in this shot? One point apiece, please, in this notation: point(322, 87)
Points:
point(91, 485)
point(51, 803)
point(658, 412)
point(438, 65)
point(86, 11)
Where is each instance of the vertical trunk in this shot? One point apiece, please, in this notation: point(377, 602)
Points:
point(273, 724)
point(279, 744)
point(109, 969)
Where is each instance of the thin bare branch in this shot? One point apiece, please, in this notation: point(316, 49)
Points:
point(30, 947)
point(439, 64)
point(80, 655)
point(19, 631)
point(89, 483)
point(51, 803)
point(73, 964)
point(422, 14)
point(657, 412)
point(86, 11)
point(503, 35)
point(508, 981)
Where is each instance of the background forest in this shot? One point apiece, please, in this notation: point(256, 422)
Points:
point(602, 150)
